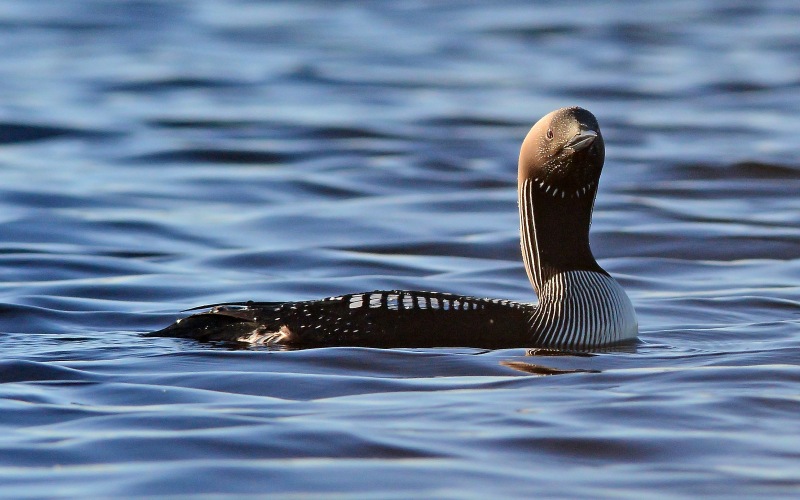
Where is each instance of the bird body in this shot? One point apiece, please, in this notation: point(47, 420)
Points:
point(580, 305)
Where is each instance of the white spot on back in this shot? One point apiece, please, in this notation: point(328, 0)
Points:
point(356, 301)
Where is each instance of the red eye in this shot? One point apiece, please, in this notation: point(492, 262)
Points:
point(549, 133)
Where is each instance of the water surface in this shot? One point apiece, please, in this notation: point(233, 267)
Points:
point(158, 155)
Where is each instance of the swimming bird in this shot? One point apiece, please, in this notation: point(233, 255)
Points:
point(580, 305)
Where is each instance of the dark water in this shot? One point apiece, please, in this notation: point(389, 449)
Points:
point(157, 155)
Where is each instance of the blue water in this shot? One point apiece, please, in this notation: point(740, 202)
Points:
point(158, 155)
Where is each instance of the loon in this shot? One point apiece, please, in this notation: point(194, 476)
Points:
point(580, 305)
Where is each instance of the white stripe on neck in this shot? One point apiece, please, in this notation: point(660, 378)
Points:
point(583, 309)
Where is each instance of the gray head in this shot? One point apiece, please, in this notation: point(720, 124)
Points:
point(564, 151)
point(559, 166)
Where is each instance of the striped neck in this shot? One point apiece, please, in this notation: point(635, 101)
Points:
point(554, 229)
point(580, 309)
point(580, 305)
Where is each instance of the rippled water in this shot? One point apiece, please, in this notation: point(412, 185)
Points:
point(157, 155)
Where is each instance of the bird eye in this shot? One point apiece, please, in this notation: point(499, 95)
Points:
point(549, 133)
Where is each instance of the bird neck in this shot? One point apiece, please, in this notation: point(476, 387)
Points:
point(554, 227)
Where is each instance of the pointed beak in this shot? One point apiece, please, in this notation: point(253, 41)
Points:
point(582, 140)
